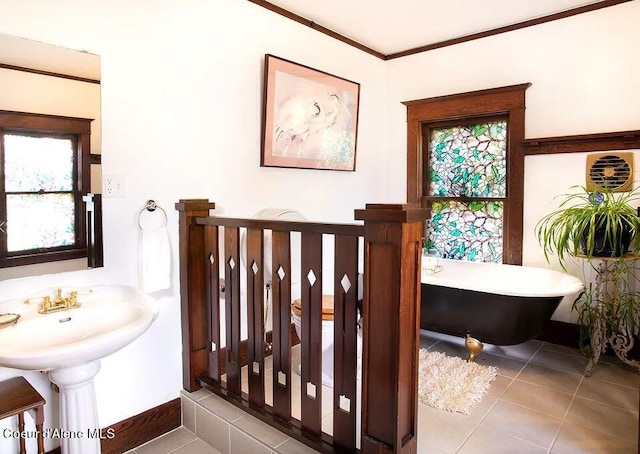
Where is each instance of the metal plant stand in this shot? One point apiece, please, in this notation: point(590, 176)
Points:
point(608, 320)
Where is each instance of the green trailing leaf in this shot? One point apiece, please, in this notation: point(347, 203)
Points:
point(579, 220)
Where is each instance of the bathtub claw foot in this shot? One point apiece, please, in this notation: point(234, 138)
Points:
point(474, 347)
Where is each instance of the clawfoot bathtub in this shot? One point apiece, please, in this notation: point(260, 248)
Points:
point(494, 303)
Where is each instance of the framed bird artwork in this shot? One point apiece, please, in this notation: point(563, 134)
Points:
point(310, 118)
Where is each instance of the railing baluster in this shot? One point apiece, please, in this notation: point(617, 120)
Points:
point(232, 309)
point(255, 315)
point(345, 343)
point(311, 349)
point(213, 298)
point(281, 297)
point(201, 261)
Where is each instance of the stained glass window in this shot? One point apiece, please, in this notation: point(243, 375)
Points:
point(466, 230)
point(468, 160)
point(39, 181)
point(466, 186)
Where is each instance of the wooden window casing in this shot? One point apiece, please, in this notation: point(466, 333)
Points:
point(507, 102)
point(52, 126)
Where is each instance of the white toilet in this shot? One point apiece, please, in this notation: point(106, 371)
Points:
point(327, 335)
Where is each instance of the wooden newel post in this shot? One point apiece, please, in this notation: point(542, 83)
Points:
point(193, 291)
point(393, 250)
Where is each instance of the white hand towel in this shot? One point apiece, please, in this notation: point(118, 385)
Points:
point(154, 259)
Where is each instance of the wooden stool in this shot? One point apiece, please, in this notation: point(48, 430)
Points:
point(18, 396)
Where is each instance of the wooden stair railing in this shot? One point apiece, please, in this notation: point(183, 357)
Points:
point(391, 300)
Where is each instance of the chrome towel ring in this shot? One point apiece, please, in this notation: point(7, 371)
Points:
point(151, 206)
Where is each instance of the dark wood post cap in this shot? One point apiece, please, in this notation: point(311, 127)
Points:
point(195, 205)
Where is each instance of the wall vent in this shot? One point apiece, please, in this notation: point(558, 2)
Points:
point(610, 171)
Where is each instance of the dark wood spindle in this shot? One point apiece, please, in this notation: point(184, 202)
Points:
point(255, 314)
point(391, 330)
point(212, 264)
point(232, 308)
point(311, 348)
point(281, 298)
point(344, 343)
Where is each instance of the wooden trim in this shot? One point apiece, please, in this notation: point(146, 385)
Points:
point(95, 158)
point(622, 140)
point(48, 73)
point(296, 226)
point(43, 257)
point(435, 100)
point(95, 250)
point(508, 101)
point(507, 28)
point(44, 122)
point(560, 333)
point(141, 428)
point(563, 333)
point(449, 42)
point(317, 27)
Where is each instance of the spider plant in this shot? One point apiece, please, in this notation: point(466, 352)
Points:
point(601, 223)
point(596, 225)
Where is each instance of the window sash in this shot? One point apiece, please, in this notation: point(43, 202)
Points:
point(36, 125)
point(460, 242)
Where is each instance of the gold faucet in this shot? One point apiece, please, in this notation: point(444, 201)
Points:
point(59, 303)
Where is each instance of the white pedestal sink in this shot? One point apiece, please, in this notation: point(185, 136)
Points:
point(69, 344)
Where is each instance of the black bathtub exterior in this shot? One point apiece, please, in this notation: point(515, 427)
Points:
point(491, 318)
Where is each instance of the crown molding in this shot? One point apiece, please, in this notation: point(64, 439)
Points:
point(449, 42)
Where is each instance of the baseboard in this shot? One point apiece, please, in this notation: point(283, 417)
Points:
point(142, 428)
point(561, 333)
point(139, 429)
point(567, 334)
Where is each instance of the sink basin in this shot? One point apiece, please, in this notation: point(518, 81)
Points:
point(109, 318)
point(69, 343)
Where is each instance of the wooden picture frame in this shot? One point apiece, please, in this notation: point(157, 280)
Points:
point(310, 118)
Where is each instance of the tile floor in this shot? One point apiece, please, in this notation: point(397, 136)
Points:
point(539, 403)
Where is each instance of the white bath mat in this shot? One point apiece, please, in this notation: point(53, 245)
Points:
point(450, 383)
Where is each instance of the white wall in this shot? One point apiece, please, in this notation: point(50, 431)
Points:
point(583, 74)
point(181, 108)
point(181, 116)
